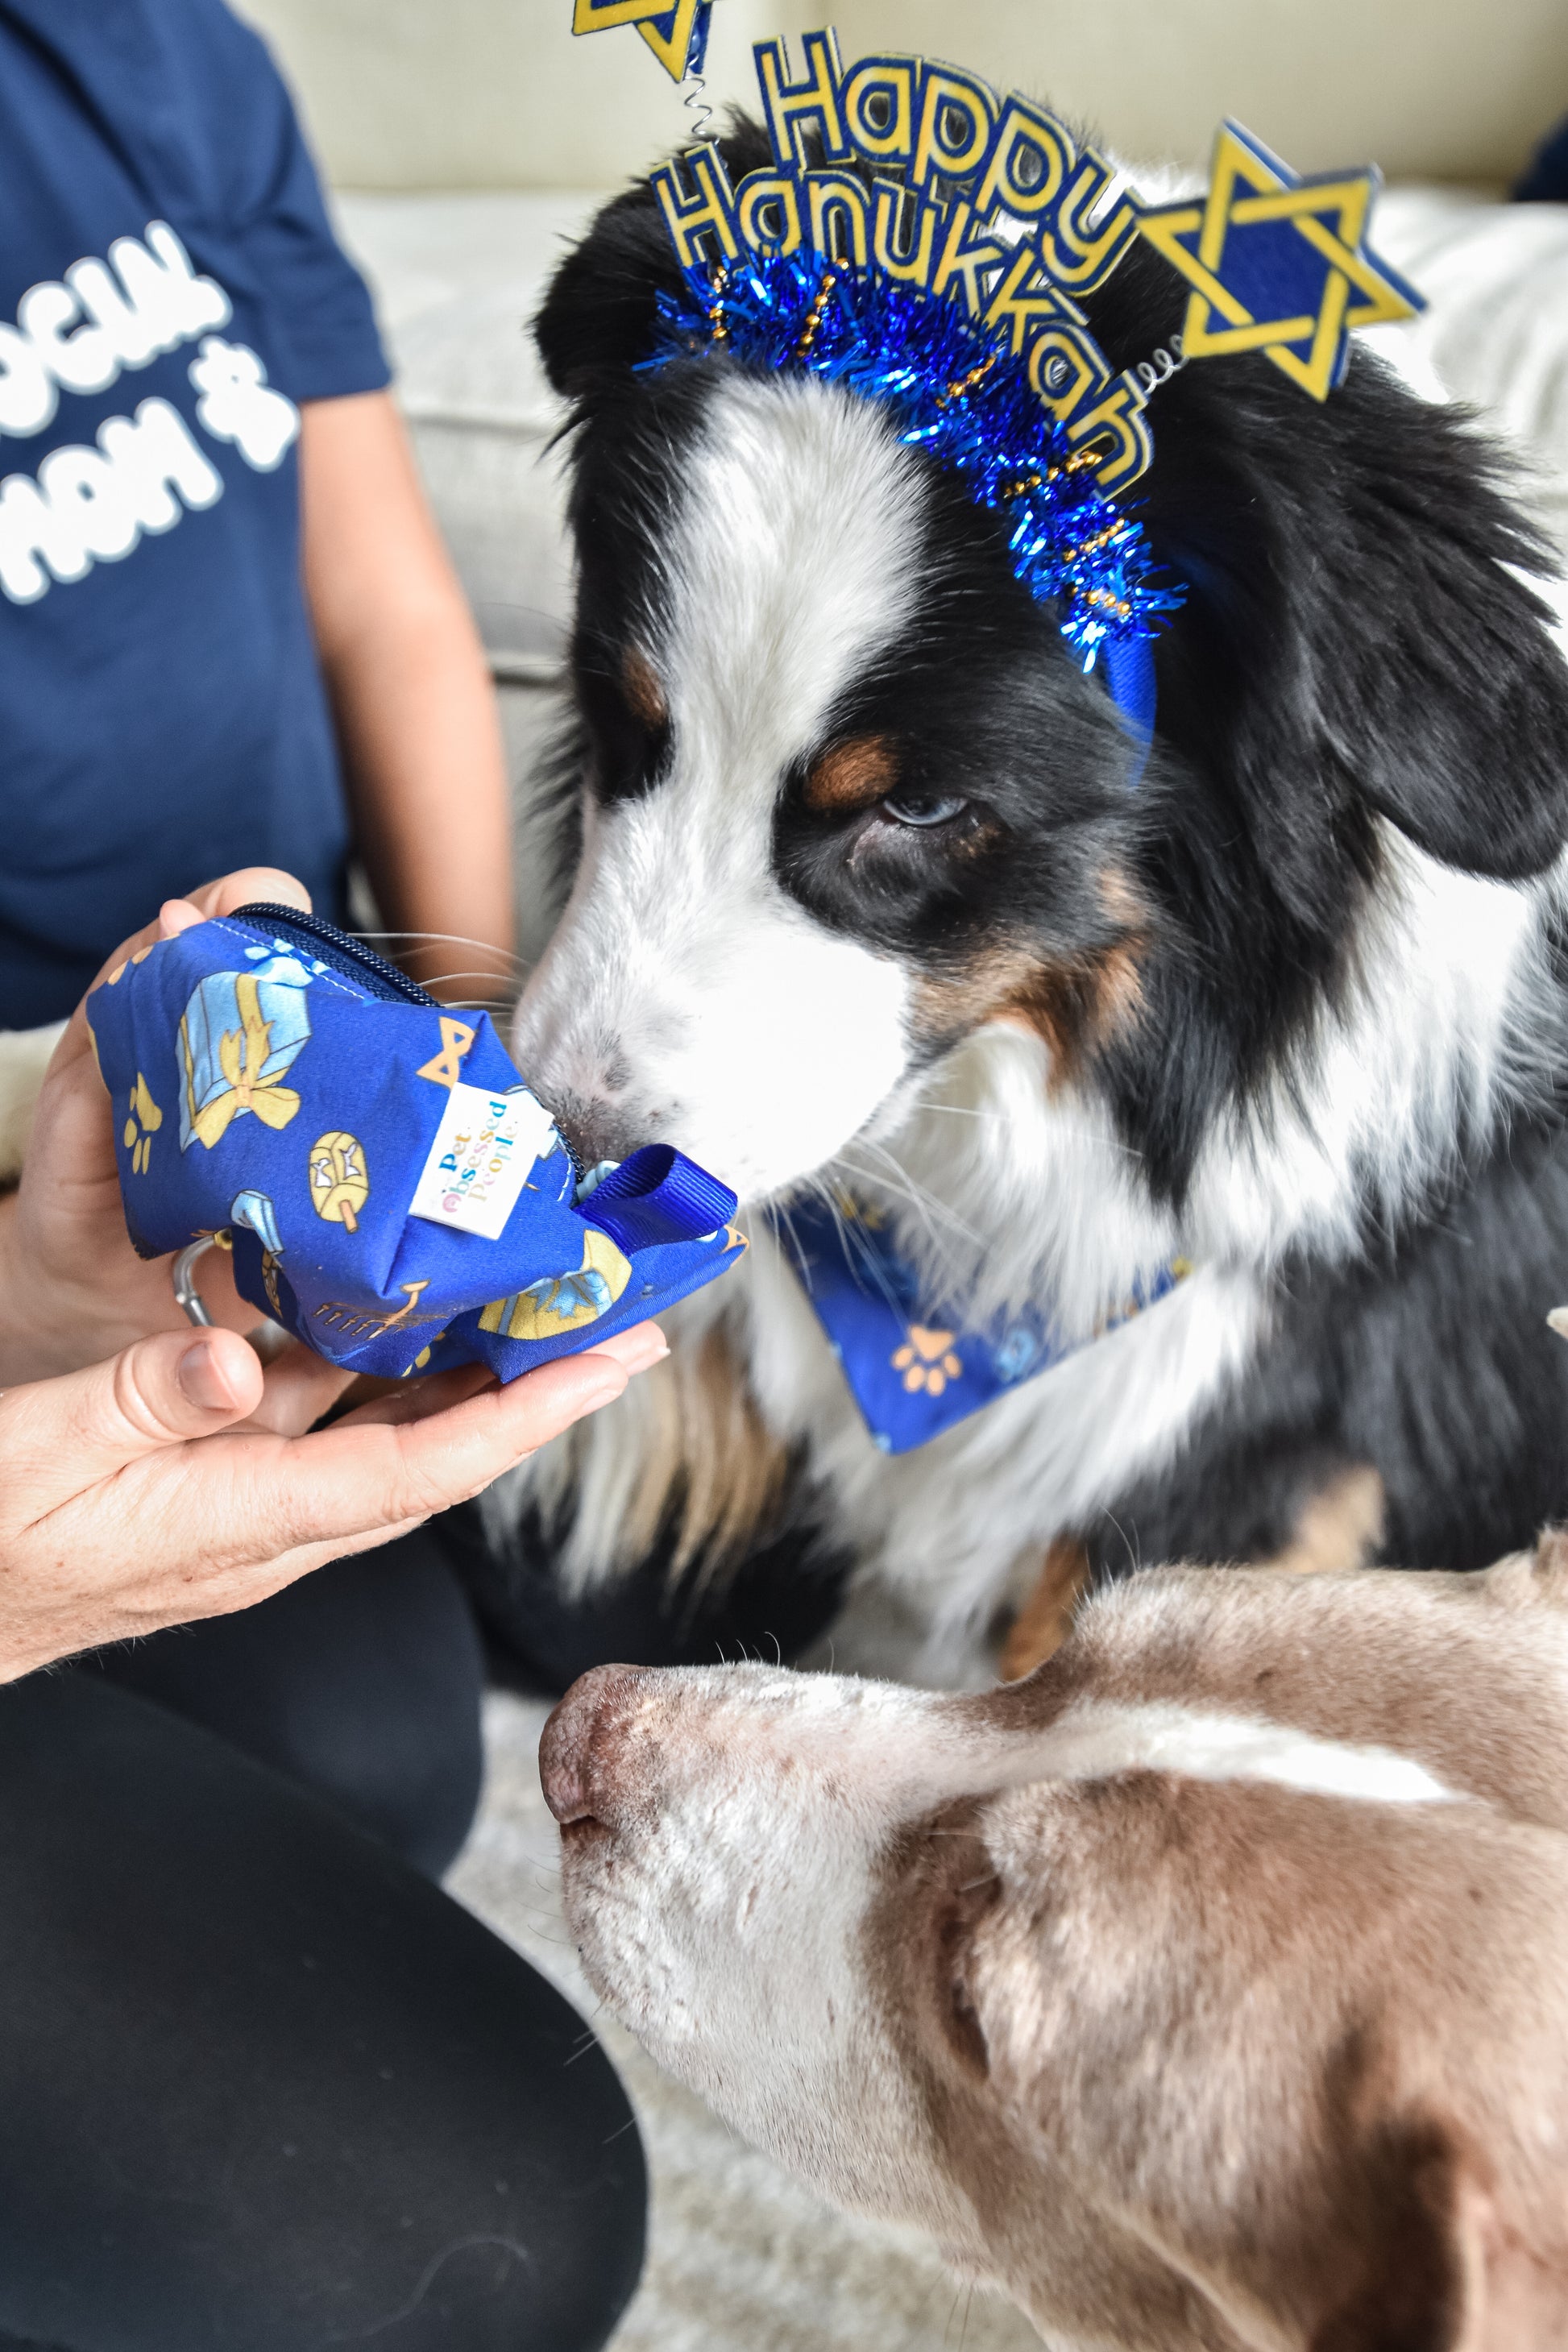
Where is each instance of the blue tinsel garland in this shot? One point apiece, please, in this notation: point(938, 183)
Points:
point(958, 394)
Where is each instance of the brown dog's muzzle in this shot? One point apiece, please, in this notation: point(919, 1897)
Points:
point(577, 1750)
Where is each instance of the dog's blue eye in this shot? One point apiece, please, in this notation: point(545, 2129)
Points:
point(922, 808)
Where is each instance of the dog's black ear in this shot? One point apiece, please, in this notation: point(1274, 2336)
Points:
point(1356, 636)
point(597, 319)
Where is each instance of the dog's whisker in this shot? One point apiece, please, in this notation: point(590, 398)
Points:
point(450, 940)
point(899, 1179)
point(472, 971)
point(478, 1000)
point(1076, 1129)
point(901, 1171)
point(827, 1194)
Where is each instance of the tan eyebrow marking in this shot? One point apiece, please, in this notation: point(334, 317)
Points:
point(852, 775)
point(643, 694)
point(1073, 1004)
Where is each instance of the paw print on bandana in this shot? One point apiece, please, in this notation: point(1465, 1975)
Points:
point(238, 405)
point(927, 1361)
point(143, 1123)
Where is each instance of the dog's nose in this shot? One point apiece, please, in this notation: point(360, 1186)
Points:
point(571, 1749)
point(595, 1128)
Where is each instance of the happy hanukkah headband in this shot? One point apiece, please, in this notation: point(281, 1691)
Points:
point(924, 242)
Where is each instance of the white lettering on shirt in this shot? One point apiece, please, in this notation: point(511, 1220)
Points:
point(27, 396)
point(150, 301)
point(93, 505)
point(85, 361)
point(238, 405)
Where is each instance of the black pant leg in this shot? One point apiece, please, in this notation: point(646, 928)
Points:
point(363, 1681)
point(263, 2087)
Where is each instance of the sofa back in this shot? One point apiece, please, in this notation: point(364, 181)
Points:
point(415, 94)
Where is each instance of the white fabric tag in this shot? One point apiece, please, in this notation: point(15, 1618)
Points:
point(484, 1150)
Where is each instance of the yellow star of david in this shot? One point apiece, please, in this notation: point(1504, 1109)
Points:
point(1247, 186)
point(673, 49)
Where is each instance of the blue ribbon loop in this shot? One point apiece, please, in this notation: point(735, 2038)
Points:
point(657, 1195)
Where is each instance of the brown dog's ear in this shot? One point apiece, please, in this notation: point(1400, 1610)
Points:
point(1550, 1567)
point(1436, 2271)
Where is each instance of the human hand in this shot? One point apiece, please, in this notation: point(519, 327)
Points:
point(169, 1484)
point(73, 1288)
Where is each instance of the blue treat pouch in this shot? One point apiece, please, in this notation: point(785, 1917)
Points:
point(392, 1192)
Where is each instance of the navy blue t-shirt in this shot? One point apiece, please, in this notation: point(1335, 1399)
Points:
point(170, 290)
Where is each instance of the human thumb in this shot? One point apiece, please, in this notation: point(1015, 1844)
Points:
point(60, 1436)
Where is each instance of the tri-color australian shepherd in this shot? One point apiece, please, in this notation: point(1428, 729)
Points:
point(861, 892)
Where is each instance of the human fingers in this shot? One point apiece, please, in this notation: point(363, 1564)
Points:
point(75, 1289)
point(634, 1351)
point(248, 885)
point(376, 1467)
point(297, 1388)
point(638, 1349)
point(58, 1437)
point(302, 1386)
point(194, 1530)
point(182, 1598)
point(390, 1405)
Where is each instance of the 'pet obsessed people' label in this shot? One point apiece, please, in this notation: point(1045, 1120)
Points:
point(484, 1151)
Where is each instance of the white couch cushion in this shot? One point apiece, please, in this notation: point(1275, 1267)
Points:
point(1496, 328)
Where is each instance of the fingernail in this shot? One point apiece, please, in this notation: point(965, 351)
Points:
point(202, 1377)
point(638, 1350)
point(289, 891)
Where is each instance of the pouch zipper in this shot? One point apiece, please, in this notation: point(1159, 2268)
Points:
point(374, 974)
point(356, 962)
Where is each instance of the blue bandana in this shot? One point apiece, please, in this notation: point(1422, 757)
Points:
point(392, 1192)
point(913, 1372)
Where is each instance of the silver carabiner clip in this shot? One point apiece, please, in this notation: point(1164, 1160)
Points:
point(183, 1274)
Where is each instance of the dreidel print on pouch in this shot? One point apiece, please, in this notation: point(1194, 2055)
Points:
point(340, 1178)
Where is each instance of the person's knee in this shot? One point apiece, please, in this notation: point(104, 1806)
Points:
point(434, 2151)
point(558, 2290)
point(361, 1682)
